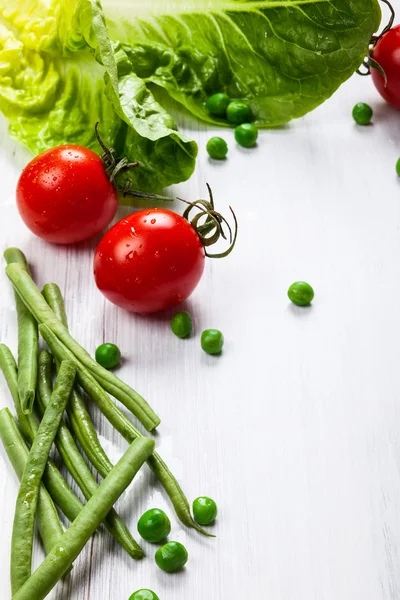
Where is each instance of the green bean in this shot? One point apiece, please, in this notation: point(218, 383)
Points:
point(49, 525)
point(27, 340)
point(33, 299)
point(74, 539)
point(125, 428)
point(76, 465)
point(79, 417)
point(24, 518)
point(58, 488)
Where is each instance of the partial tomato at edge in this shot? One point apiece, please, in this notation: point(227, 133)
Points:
point(150, 261)
point(64, 195)
point(387, 54)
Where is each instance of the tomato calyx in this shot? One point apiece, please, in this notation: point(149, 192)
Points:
point(115, 167)
point(369, 62)
point(210, 225)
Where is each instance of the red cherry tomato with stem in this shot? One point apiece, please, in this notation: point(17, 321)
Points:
point(387, 54)
point(149, 261)
point(64, 195)
point(69, 194)
point(153, 260)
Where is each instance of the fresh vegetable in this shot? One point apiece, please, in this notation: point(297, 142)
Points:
point(144, 595)
point(217, 148)
point(27, 341)
point(34, 300)
point(171, 557)
point(49, 524)
point(212, 341)
point(152, 260)
point(217, 105)
point(398, 167)
point(76, 465)
point(73, 58)
point(362, 113)
point(246, 135)
point(64, 195)
point(204, 510)
point(301, 293)
point(25, 510)
point(284, 59)
point(58, 488)
point(108, 355)
point(149, 261)
point(125, 428)
point(386, 55)
point(84, 430)
point(238, 112)
point(73, 540)
point(154, 526)
point(181, 324)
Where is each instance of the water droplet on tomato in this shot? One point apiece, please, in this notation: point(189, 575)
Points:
point(138, 280)
point(128, 245)
point(144, 220)
point(156, 254)
point(153, 221)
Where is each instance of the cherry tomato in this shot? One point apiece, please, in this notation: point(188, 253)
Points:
point(64, 195)
point(387, 54)
point(150, 261)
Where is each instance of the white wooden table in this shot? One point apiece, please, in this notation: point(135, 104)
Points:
point(295, 430)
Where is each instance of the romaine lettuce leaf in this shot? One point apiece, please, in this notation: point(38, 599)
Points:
point(53, 91)
point(66, 65)
point(283, 56)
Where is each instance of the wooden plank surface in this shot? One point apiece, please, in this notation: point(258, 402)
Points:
point(295, 429)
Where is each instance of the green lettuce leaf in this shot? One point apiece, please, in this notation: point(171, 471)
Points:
point(285, 57)
point(53, 89)
point(66, 65)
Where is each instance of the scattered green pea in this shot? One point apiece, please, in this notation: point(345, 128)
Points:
point(238, 112)
point(217, 148)
point(181, 324)
point(301, 293)
point(398, 167)
point(154, 526)
point(144, 595)
point(246, 135)
point(217, 104)
point(108, 355)
point(362, 113)
point(212, 341)
point(171, 557)
point(204, 510)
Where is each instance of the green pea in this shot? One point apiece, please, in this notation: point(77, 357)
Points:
point(246, 135)
point(212, 341)
point(171, 557)
point(204, 510)
point(301, 293)
point(398, 167)
point(144, 595)
point(238, 112)
point(181, 324)
point(362, 113)
point(217, 104)
point(108, 355)
point(217, 148)
point(154, 526)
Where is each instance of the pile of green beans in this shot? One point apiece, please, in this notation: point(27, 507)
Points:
point(29, 440)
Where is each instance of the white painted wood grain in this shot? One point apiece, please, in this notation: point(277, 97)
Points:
point(295, 429)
